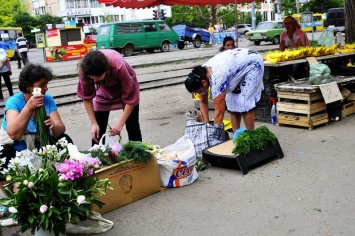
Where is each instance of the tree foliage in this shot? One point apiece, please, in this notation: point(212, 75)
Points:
point(192, 16)
point(200, 17)
point(28, 22)
point(9, 9)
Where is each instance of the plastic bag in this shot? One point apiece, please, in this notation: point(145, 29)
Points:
point(319, 74)
point(101, 225)
point(106, 140)
point(177, 164)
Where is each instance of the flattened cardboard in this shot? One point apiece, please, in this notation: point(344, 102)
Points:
point(131, 181)
point(221, 156)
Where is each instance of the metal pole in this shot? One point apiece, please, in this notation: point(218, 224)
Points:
point(236, 22)
point(298, 6)
point(158, 13)
point(253, 17)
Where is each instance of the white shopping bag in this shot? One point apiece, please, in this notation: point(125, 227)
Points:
point(177, 164)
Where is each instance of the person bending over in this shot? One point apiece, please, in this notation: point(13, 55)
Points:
point(235, 78)
point(106, 83)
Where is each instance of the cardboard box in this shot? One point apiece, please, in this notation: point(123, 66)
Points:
point(345, 93)
point(351, 96)
point(348, 109)
point(131, 181)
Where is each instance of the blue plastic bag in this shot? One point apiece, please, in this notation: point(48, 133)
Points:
point(239, 131)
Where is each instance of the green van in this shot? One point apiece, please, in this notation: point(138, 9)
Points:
point(129, 36)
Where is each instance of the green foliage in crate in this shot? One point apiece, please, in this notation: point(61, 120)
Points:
point(253, 140)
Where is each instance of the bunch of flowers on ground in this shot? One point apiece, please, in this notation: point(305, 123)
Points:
point(53, 185)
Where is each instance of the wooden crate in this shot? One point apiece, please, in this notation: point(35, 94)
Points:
point(348, 109)
point(303, 120)
point(301, 109)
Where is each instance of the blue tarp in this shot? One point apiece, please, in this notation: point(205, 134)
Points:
point(185, 31)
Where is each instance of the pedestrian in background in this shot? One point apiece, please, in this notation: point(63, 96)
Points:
point(22, 48)
point(228, 43)
point(5, 72)
point(3, 45)
point(211, 30)
point(106, 83)
point(17, 58)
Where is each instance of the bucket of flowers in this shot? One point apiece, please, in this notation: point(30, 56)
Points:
point(52, 187)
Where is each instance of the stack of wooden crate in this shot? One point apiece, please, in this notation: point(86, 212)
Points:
point(306, 109)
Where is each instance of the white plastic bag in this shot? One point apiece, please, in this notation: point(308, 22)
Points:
point(101, 225)
point(177, 164)
point(106, 140)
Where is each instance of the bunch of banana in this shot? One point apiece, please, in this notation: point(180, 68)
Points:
point(275, 56)
point(348, 47)
point(301, 52)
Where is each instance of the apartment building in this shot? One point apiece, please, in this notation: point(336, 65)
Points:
point(88, 12)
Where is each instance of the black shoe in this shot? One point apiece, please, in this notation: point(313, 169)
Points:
point(19, 68)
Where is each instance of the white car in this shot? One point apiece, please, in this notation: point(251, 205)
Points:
point(244, 28)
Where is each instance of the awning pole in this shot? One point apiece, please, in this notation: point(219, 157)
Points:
point(236, 22)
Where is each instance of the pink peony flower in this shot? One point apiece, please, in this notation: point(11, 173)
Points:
point(92, 161)
point(80, 199)
point(30, 185)
point(115, 146)
point(70, 170)
point(43, 209)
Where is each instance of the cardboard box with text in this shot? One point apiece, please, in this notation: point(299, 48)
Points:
point(131, 181)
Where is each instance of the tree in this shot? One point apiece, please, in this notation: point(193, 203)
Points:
point(191, 16)
point(9, 9)
point(321, 6)
point(349, 21)
point(27, 23)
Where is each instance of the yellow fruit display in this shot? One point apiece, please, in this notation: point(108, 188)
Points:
point(301, 52)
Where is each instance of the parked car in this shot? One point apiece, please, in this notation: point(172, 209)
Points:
point(91, 38)
point(244, 28)
point(129, 36)
point(194, 35)
point(267, 31)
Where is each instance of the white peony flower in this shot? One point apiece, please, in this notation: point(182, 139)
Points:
point(43, 209)
point(80, 199)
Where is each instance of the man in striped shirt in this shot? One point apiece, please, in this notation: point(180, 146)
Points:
point(22, 47)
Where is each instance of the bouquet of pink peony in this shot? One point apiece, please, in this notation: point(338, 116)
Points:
point(53, 185)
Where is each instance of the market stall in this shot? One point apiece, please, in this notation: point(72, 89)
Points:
point(279, 72)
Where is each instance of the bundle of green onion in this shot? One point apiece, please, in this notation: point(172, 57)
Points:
point(40, 116)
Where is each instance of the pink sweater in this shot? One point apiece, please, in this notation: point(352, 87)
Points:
point(119, 87)
point(298, 34)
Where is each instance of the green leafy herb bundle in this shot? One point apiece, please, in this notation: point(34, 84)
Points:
point(253, 140)
point(137, 151)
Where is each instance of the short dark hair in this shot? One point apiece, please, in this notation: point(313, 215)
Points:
point(31, 74)
point(20, 34)
point(226, 39)
point(194, 80)
point(94, 63)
